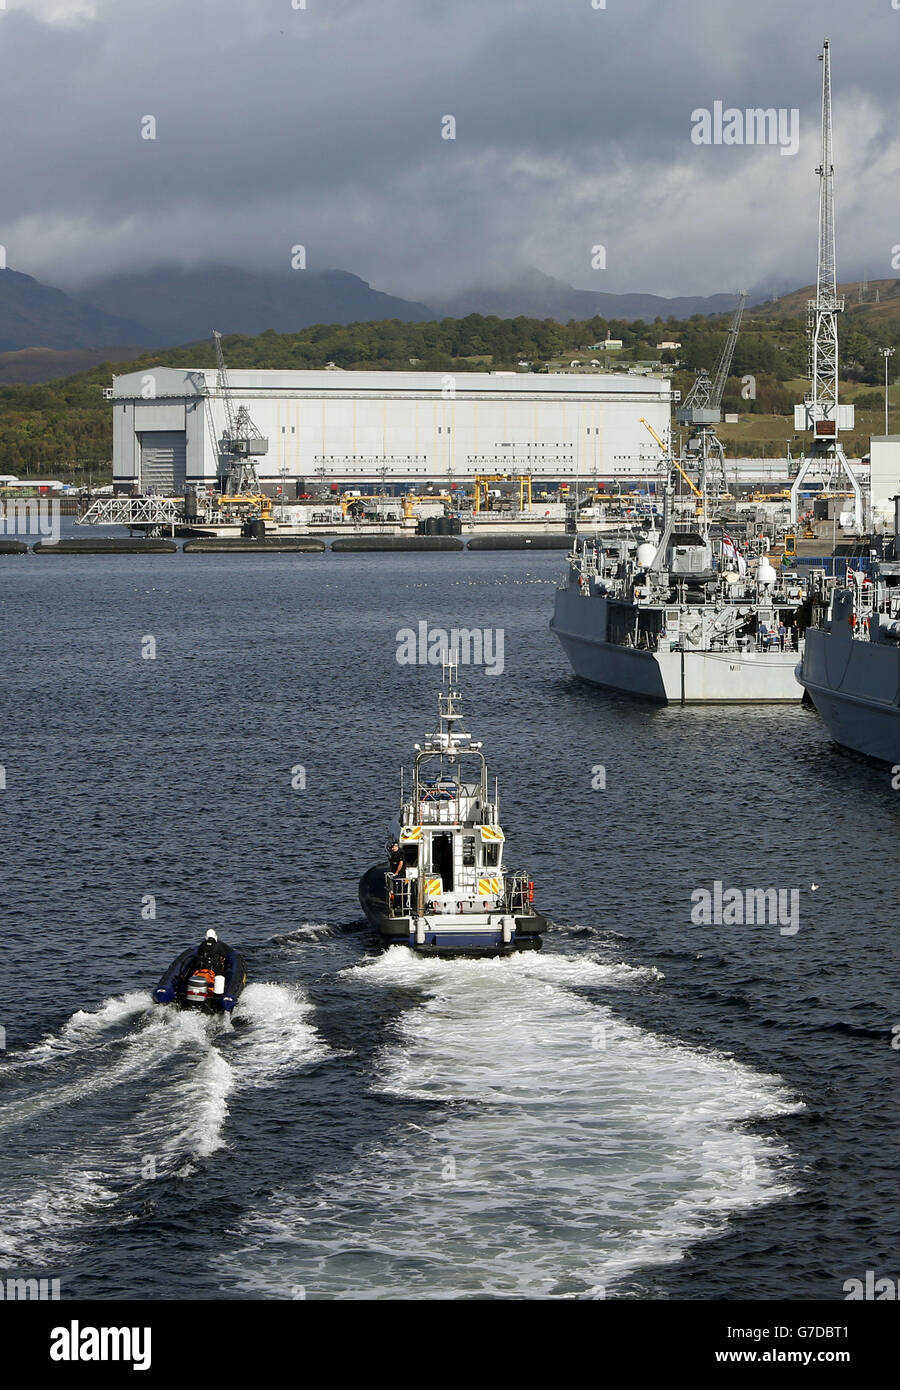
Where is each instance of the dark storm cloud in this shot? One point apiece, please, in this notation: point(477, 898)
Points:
point(323, 126)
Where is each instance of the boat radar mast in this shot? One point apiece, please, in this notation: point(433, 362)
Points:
point(449, 738)
point(820, 415)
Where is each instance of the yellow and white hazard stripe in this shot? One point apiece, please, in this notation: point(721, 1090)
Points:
point(491, 834)
point(489, 885)
point(410, 833)
point(433, 887)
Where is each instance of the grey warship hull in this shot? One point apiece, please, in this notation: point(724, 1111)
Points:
point(855, 686)
point(679, 676)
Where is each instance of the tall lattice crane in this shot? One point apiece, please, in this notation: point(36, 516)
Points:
point(241, 441)
point(821, 415)
point(701, 411)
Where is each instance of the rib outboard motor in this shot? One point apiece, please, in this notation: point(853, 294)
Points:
point(197, 989)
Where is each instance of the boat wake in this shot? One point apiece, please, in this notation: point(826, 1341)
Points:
point(124, 1096)
point(314, 931)
point(563, 1149)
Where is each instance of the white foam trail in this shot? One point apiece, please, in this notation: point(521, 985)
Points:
point(193, 1064)
point(577, 1147)
point(194, 1107)
point(313, 931)
point(142, 1052)
point(32, 1218)
point(280, 1037)
point(120, 1009)
point(183, 1119)
point(84, 1029)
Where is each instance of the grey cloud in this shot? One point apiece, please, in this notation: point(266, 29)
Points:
point(322, 126)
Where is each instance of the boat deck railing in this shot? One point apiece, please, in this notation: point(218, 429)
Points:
point(451, 810)
point(400, 895)
point(465, 808)
point(517, 900)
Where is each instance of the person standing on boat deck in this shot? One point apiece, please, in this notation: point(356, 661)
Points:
point(397, 862)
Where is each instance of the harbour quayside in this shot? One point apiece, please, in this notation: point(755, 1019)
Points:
point(678, 617)
point(446, 890)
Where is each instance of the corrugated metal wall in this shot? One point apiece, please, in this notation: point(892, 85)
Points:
point(163, 462)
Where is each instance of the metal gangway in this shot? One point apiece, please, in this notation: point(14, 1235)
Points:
point(150, 514)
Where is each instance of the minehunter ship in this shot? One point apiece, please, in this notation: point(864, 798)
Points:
point(851, 664)
point(449, 892)
point(666, 619)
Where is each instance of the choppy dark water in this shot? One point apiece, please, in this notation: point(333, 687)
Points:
point(649, 1107)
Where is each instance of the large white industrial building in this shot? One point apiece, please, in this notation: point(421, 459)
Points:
point(408, 427)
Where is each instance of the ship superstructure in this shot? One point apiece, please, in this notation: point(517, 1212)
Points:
point(677, 618)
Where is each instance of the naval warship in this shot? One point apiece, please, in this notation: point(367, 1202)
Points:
point(851, 663)
point(446, 890)
point(675, 618)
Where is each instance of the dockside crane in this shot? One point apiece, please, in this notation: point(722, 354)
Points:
point(673, 466)
point(821, 416)
point(481, 490)
point(701, 411)
point(241, 442)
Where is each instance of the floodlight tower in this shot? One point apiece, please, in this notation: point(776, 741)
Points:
point(820, 415)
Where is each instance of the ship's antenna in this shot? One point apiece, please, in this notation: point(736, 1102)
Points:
point(450, 663)
point(447, 710)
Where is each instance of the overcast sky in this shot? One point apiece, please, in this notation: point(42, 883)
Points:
point(322, 126)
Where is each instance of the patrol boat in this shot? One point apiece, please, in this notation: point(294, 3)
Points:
point(450, 893)
point(665, 618)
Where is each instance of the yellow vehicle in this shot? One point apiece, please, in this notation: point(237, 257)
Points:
point(253, 501)
point(759, 495)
